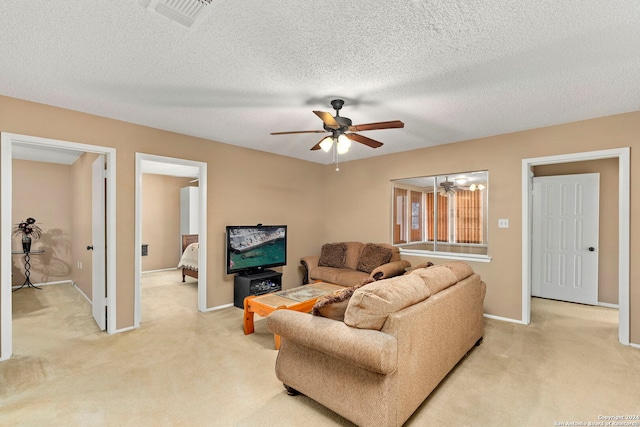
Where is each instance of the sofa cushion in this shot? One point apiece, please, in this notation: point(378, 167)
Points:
point(440, 277)
point(351, 277)
point(334, 305)
point(373, 256)
point(371, 304)
point(353, 254)
point(340, 276)
point(460, 269)
point(333, 255)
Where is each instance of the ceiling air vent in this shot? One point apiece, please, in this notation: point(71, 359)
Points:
point(184, 12)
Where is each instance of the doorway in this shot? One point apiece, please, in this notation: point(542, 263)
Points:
point(623, 157)
point(7, 142)
point(199, 168)
point(564, 237)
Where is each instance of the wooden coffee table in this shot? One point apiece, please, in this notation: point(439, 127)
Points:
point(301, 298)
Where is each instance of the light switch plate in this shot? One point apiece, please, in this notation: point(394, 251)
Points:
point(503, 223)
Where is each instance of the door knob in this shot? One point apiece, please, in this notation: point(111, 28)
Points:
point(89, 248)
point(591, 249)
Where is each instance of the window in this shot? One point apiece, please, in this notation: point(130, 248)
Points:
point(446, 213)
point(416, 216)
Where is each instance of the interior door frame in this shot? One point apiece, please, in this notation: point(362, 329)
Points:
point(7, 140)
point(623, 156)
point(202, 229)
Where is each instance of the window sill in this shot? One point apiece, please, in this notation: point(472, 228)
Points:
point(446, 255)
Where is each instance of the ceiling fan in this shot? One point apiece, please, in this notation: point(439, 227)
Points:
point(341, 130)
point(447, 187)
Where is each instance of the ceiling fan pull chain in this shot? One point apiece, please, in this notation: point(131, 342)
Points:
point(335, 156)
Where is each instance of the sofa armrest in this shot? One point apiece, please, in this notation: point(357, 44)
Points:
point(371, 350)
point(308, 262)
point(390, 269)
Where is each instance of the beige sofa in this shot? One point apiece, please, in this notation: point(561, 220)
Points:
point(399, 338)
point(350, 263)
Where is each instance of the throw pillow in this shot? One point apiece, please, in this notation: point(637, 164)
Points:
point(373, 256)
point(334, 305)
point(333, 255)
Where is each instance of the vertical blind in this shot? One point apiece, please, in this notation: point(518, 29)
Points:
point(468, 216)
point(442, 217)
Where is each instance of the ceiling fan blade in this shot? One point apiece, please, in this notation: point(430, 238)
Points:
point(363, 140)
point(298, 131)
point(328, 119)
point(380, 125)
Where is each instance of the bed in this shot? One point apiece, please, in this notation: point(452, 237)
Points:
point(189, 259)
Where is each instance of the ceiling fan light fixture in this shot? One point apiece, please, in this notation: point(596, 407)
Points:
point(343, 144)
point(326, 144)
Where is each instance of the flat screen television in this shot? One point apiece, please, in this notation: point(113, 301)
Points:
point(252, 248)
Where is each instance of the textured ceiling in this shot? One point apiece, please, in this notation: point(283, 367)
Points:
point(451, 70)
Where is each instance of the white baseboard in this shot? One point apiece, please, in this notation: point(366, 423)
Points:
point(634, 345)
point(160, 270)
point(220, 307)
point(61, 282)
point(504, 319)
point(606, 304)
point(117, 331)
point(83, 294)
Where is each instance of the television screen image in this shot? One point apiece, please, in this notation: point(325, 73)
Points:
point(255, 247)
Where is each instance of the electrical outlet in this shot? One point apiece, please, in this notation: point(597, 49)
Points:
point(503, 223)
point(79, 265)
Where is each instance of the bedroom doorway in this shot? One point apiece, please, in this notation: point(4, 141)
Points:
point(623, 158)
point(160, 165)
point(51, 146)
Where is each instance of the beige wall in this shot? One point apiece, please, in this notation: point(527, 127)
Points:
point(358, 197)
point(161, 220)
point(43, 191)
point(319, 204)
point(59, 197)
point(238, 190)
point(608, 219)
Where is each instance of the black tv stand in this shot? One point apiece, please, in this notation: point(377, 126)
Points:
point(254, 272)
point(255, 283)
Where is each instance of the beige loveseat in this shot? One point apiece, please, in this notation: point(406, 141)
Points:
point(349, 263)
point(399, 338)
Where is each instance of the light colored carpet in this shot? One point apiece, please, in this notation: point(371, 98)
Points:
point(185, 368)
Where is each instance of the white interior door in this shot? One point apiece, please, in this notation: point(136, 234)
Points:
point(98, 287)
point(565, 238)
